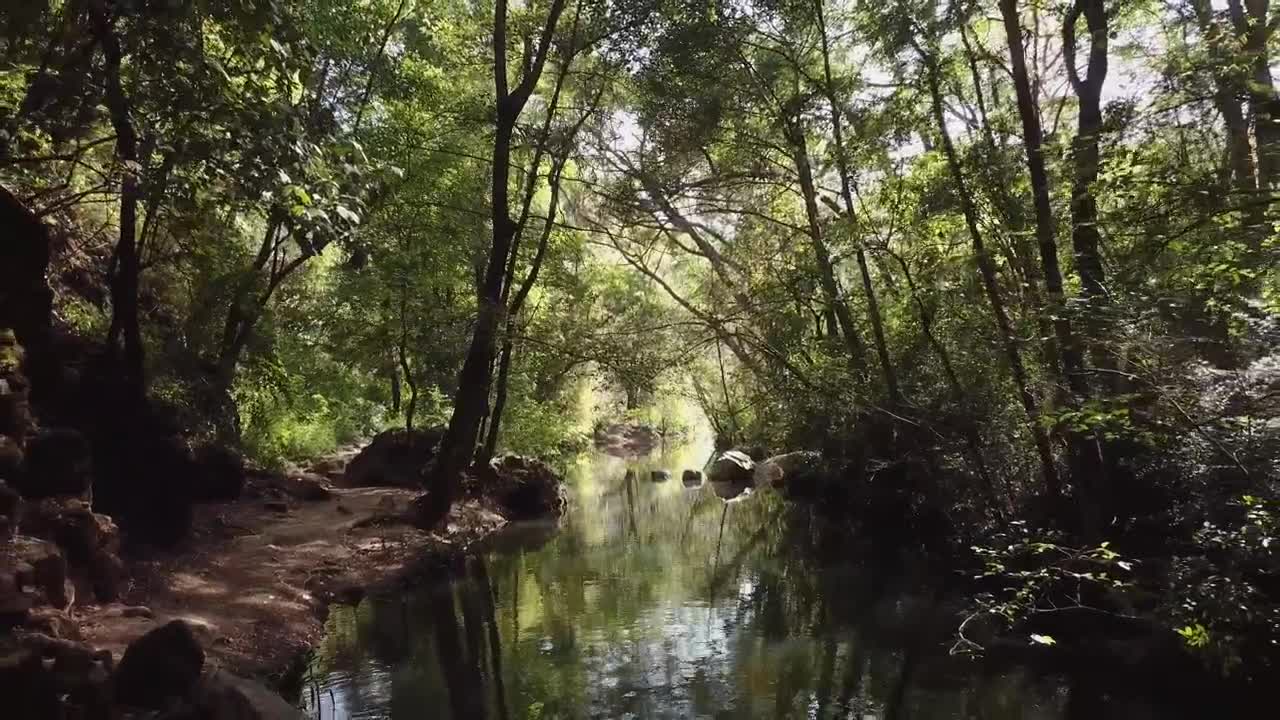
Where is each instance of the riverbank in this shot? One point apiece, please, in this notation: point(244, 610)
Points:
point(257, 575)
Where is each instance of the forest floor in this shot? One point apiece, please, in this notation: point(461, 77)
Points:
point(256, 576)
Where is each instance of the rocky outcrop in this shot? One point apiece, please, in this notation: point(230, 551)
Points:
point(395, 458)
point(58, 462)
point(89, 540)
point(732, 467)
point(220, 473)
point(26, 301)
point(524, 488)
point(36, 569)
point(691, 478)
point(162, 665)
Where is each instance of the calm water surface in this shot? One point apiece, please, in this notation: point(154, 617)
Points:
point(653, 600)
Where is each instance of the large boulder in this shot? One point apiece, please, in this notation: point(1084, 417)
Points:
point(793, 471)
point(143, 480)
point(525, 488)
point(219, 475)
point(394, 458)
point(46, 677)
point(733, 467)
point(306, 486)
point(162, 665)
point(223, 696)
point(26, 685)
point(58, 462)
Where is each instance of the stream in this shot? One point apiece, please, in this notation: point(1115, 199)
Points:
point(656, 600)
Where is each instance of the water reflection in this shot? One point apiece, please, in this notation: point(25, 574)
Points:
point(657, 600)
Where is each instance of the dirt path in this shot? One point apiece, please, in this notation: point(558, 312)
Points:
point(257, 574)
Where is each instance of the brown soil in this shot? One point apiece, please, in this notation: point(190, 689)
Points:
point(255, 582)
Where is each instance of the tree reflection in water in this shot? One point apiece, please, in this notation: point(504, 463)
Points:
point(645, 604)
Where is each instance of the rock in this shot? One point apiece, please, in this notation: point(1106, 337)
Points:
point(106, 575)
point(220, 474)
point(26, 685)
point(11, 458)
point(161, 665)
point(732, 467)
point(307, 486)
point(10, 507)
point(90, 541)
point(137, 611)
point(57, 463)
point(128, 611)
point(691, 478)
point(223, 696)
point(525, 488)
point(276, 506)
point(394, 458)
point(660, 475)
point(79, 674)
point(793, 468)
point(15, 606)
point(38, 564)
point(55, 623)
point(79, 531)
point(142, 479)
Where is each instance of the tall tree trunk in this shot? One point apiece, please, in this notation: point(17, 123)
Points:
point(1253, 24)
point(406, 371)
point(826, 269)
point(1240, 171)
point(471, 401)
point(846, 193)
point(987, 272)
point(1028, 112)
point(1085, 236)
point(535, 267)
point(125, 279)
point(1087, 464)
point(1013, 218)
point(500, 394)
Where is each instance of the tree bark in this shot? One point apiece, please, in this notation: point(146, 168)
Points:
point(826, 269)
point(1086, 239)
point(1240, 171)
point(125, 279)
point(1253, 24)
point(1087, 463)
point(457, 448)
